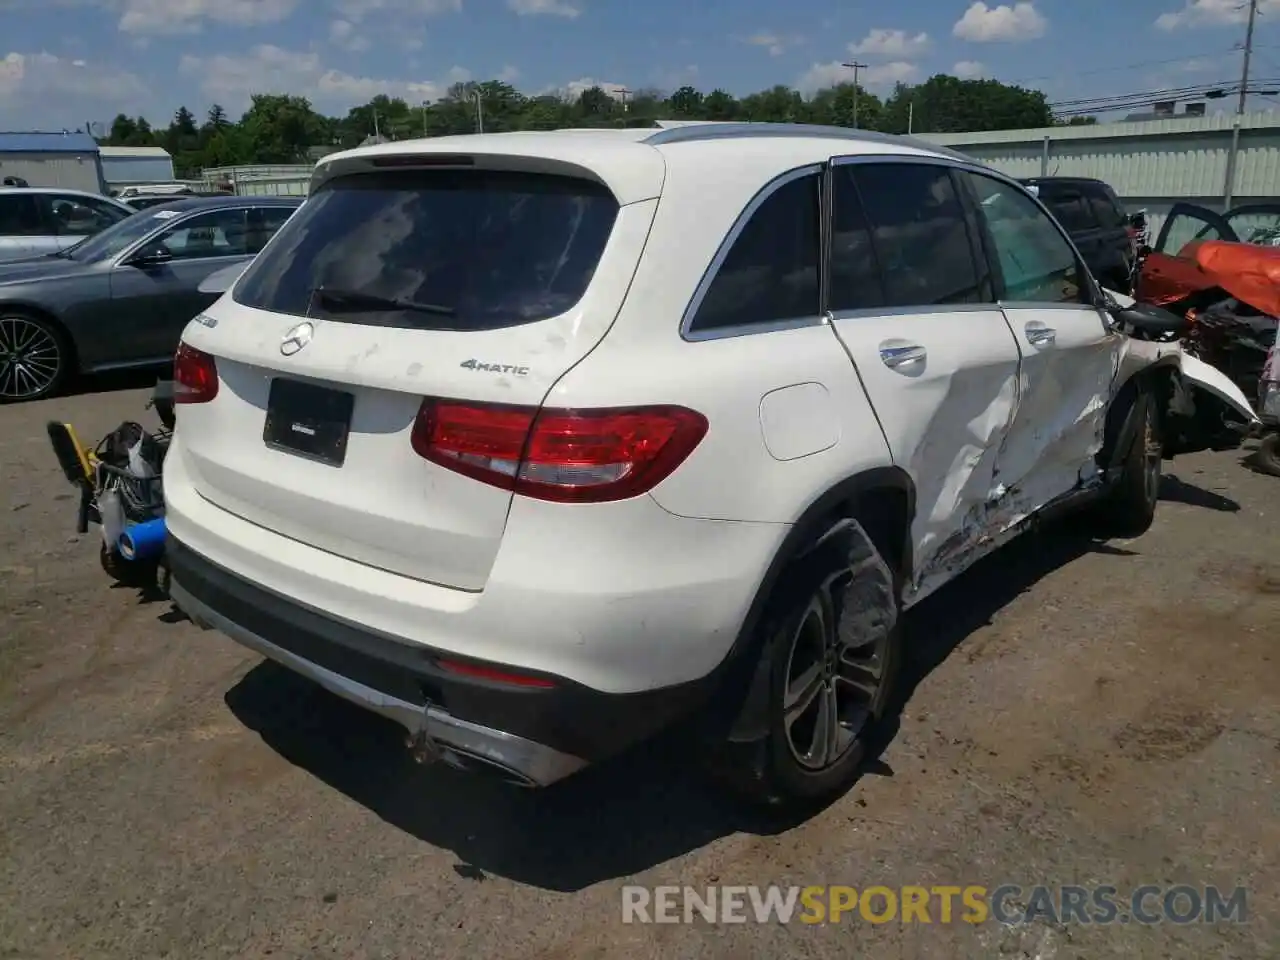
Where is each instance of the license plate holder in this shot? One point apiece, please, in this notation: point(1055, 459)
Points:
point(308, 421)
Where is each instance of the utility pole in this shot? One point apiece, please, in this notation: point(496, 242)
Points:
point(856, 66)
point(1248, 53)
point(623, 93)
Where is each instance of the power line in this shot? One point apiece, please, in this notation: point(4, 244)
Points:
point(1123, 66)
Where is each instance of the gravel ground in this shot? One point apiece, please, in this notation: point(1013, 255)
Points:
point(1082, 713)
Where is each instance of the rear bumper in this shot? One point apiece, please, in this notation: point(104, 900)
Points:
point(535, 736)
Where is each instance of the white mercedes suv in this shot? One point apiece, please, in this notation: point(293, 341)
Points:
point(538, 443)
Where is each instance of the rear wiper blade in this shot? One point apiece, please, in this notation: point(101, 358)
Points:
point(356, 300)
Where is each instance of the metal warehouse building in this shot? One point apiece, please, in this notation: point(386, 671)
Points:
point(127, 166)
point(64, 159)
point(1216, 161)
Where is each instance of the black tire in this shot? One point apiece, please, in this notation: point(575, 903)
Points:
point(1129, 507)
point(1267, 456)
point(840, 595)
point(128, 573)
point(49, 370)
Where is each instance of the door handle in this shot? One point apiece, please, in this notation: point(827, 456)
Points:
point(902, 356)
point(1040, 335)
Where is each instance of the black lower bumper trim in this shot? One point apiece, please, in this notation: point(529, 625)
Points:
point(567, 717)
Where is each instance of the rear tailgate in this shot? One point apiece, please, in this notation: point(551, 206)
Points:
point(533, 268)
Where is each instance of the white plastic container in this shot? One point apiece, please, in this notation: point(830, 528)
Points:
point(111, 512)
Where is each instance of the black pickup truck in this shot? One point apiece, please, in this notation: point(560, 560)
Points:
point(1091, 212)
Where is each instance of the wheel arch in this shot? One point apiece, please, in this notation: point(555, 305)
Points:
point(1155, 379)
point(883, 500)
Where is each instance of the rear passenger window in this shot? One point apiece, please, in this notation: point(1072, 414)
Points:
point(855, 273)
point(1071, 210)
point(1105, 211)
point(20, 216)
point(925, 253)
point(771, 271)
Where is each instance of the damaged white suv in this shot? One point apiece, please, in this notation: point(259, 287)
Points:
point(538, 443)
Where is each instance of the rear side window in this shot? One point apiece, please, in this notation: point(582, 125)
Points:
point(1070, 208)
point(925, 252)
point(438, 250)
point(771, 271)
point(20, 216)
point(1106, 210)
point(855, 272)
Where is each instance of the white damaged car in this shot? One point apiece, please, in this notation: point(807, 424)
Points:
point(538, 443)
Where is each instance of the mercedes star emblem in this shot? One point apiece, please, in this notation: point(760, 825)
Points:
point(297, 338)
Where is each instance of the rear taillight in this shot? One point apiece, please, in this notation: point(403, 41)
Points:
point(570, 456)
point(195, 375)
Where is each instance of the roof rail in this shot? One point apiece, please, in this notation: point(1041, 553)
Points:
point(679, 131)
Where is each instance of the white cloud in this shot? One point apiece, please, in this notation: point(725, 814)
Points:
point(40, 91)
point(229, 79)
point(575, 88)
point(969, 70)
point(508, 74)
point(823, 75)
point(545, 8)
point(188, 16)
point(1002, 24)
point(342, 33)
point(891, 43)
point(1212, 13)
point(775, 43)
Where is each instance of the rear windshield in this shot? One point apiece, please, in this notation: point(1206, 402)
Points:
point(478, 250)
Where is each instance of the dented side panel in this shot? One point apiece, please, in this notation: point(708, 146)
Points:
point(944, 417)
point(1070, 366)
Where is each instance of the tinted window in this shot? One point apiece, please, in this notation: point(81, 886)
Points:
point(771, 271)
point(263, 222)
point(495, 249)
point(922, 243)
point(1106, 210)
point(82, 216)
point(219, 233)
point(1037, 262)
point(855, 273)
point(1071, 209)
point(20, 216)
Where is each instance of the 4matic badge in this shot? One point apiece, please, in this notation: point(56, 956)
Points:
point(495, 368)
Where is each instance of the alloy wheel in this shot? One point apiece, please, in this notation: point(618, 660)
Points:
point(832, 681)
point(30, 358)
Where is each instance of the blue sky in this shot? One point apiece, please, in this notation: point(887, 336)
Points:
point(66, 62)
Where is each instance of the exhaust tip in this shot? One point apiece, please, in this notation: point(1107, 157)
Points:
point(473, 763)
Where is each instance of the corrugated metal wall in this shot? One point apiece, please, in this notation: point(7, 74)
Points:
point(291, 179)
point(1150, 164)
point(75, 171)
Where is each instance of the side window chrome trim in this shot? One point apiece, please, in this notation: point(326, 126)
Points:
point(746, 329)
point(875, 313)
point(1046, 305)
point(722, 253)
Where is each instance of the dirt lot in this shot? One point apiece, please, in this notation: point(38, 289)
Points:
point(1085, 713)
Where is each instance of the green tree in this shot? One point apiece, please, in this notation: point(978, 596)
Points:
point(281, 128)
